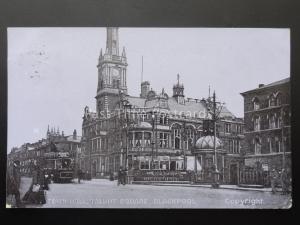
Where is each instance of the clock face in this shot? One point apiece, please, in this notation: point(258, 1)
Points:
point(115, 72)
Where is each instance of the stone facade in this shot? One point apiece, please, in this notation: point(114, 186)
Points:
point(154, 131)
point(30, 154)
point(267, 126)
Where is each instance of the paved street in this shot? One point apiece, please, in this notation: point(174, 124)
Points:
point(106, 194)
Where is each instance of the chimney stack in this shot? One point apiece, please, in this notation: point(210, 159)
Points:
point(74, 134)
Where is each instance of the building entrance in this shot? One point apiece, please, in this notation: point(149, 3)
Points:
point(173, 165)
point(233, 174)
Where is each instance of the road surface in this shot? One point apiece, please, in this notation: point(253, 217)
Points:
point(100, 193)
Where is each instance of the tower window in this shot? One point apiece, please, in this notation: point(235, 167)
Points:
point(116, 83)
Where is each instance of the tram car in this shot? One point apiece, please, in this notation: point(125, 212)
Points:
point(60, 166)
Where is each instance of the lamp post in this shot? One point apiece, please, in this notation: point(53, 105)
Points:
point(127, 123)
point(282, 139)
point(185, 143)
point(152, 143)
point(215, 112)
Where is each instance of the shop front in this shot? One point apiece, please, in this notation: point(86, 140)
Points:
point(165, 163)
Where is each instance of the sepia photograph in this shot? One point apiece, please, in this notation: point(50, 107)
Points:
point(148, 117)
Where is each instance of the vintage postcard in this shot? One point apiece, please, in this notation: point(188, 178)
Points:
point(120, 117)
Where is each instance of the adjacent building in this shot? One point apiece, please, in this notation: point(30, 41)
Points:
point(30, 154)
point(267, 126)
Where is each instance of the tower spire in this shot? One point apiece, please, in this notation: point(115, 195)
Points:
point(124, 53)
point(48, 131)
point(112, 41)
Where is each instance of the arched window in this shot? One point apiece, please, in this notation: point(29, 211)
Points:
point(256, 104)
point(272, 123)
point(147, 137)
point(190, 134)
point(277, 144)
point(256, 124)
point(163, 119)
point(176, 136)
point(257, 145)
point(272, 100)
point(279, 99)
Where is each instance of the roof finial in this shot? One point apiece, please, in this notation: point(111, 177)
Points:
point(124, 52)
point(178, 78)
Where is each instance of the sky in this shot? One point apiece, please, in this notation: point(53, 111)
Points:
point(52, 73)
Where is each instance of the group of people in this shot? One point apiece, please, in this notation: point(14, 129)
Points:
point(36, 192)
point(280, 178)
point(40, 182)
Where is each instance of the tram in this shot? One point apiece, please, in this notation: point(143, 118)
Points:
point(60, 166)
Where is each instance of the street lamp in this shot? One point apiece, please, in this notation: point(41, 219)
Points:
point(215, 112)
point(184, 144)
point(282, 139)
point(152, 143)
point(127, 122)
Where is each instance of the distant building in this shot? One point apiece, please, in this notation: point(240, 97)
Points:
point(267, 125)
point(30, 154)
point(154, 131)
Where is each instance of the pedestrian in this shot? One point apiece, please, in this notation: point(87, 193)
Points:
point(36, 194)
point(284, 182)
point(274, 180)
point(79, 174)
point(120, 176)
point(13, 180)
point(46, 180)
point(124, 176)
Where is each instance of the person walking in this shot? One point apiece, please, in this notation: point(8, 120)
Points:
point(284, 182)
point(36, 194)
point(274, 180)
point(124, 176)
point(46, 180)
point(120, 176)
point(13, 180)
point(79, 174)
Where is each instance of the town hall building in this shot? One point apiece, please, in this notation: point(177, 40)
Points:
point(155, 131)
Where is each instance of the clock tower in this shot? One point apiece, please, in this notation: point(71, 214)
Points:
point(111, 73)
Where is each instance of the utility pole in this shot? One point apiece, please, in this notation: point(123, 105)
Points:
point(152, 144)
point(215, 116)
point(282, 138)
point(185, 143)
point(215, 130)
